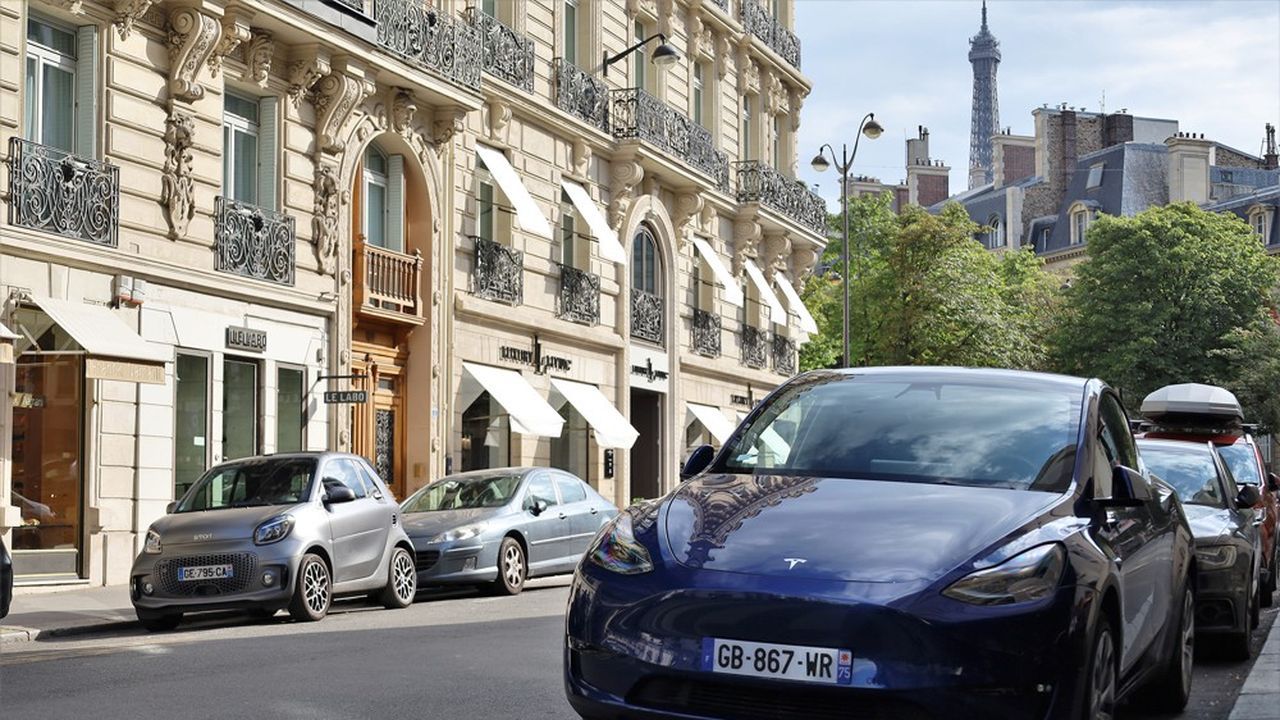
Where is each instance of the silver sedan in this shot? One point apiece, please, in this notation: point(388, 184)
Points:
point(500, 527)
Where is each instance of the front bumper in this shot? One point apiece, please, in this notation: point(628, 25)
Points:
point(1222, 598)
point(246, 589)
point(464, 562)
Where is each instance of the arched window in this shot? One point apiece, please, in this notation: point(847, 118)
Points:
point(1081, 217)
point(383, 199)
point(647, 307)
point(995, 236)
point(644, 261)
point(1260, 221)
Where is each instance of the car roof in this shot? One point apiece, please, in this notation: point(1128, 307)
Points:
point(1198, 436)
point(921, 373)
point(489, 472)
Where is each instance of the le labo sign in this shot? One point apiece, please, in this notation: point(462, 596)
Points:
point(339, 397)
point(243, 338)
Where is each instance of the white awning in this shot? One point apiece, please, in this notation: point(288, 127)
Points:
point(530, 413)
point(732, 293)
point(713, 420)
point(527, 213)
point(7, 334)
point(100, 331)
point(610, 248)
point(611, 428)
point(776, 313)
point(807, 323)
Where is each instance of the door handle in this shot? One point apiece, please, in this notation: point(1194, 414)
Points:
point(563, 516)
point(594, 511)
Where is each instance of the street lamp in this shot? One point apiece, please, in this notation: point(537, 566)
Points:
point(665, 54)
point(872, 130)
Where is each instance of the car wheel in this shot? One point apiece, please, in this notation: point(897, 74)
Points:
point(1237, 645)
point(1101, 682)
point(512, 568)
point(159, 622)
point(313, 591)
point(402, 581)
point(1269, 587)
point(1171, 689)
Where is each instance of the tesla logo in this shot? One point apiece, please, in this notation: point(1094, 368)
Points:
point(200, 537)
point(793, 562)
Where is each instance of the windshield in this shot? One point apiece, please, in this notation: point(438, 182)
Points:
point(1017, 434)
point(272, 481)
point(1243, 462)
point(1190, 470)
point(487, 491)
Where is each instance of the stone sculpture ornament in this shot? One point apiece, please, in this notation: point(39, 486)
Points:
point(192, 39)
point(258, 55)
point(324, 222)
point(177, 191)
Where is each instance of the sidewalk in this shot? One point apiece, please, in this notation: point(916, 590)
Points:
point(63, 612)
point(1260, 697)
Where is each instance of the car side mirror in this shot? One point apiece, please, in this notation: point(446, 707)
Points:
point(168, 509)
point(1249, 496)
point(1125, 489)
point(538, 507)
point(336, 492)
point(699, 460)
point(1273, 482)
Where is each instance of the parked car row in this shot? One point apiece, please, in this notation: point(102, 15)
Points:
point(295, 531)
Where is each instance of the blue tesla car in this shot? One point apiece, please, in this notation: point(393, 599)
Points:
point(901, 543)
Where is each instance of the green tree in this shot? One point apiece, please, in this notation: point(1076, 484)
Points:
point(1253, 359)
point(1170, 295)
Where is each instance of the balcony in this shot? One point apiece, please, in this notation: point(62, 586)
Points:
point(57, 192)
point(498, 274)
point(755, 347)
point(389, 283)
point(757, 21)
point(507, 55)
point(581, 94)
point(784, 355)
point(579, 296)
point(436, 41)
point(706, 333)
point(646, 316)
point(636, 115)
point(254, 242)
point(757, 182)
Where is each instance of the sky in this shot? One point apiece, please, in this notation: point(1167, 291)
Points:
point(1212, 66)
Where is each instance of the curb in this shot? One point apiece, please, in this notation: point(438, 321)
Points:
point(11, 634)
point(1259, 697)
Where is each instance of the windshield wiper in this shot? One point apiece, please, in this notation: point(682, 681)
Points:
point(249, 504)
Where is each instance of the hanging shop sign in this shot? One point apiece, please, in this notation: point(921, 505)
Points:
point(248, 339)
point(337, 397)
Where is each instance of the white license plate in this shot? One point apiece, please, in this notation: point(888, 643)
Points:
point(831, 666)
point(205, 572)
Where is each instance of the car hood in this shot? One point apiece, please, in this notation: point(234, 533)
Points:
point(215, 525)
point(1209, 523)
point(429, 524)
point(840, 529)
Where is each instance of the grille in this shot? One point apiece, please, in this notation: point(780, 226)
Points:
point(243, 570)
point(426, 559)
point(744, 702)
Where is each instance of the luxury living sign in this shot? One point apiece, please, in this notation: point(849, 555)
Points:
point(535, 358)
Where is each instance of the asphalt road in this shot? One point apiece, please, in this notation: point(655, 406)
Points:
point(461, 656)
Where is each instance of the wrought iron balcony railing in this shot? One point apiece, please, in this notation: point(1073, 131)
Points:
point(498, 273)
point(579, 296)
point(635, 114)
point(388, 281)
point(757, 182)
point(254, 242)
point(757, 21)
point(57, 192)
point(646, 316)
point(436, 41)
point(784, 355)
point(581, 94)
point(755, 347)
point(508, 55)
point(706, 333)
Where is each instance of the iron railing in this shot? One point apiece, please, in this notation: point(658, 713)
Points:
point(254, 242)
point(635, 114)
point(755, 347)
point(581, 94)
point(436, 41)
point(706, 333)
point(57, 192)
point(498, 274)
point(579, 296)
point(724, 4)
point(757, 182)
point(646, 316)
point(784, 355)
point(508, 55)
point(388, 280)
point(757, 21)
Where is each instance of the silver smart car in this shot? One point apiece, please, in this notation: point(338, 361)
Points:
point(279, 531)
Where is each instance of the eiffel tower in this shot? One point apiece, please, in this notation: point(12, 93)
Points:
point(984, 55)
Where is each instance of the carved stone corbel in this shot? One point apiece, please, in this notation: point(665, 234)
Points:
point(449, 123)
point(722, 55)
point(625, 175)
point(665, 10)
point(777, 250)
point(581, 157)
point(329, 198)
point(304, 70)
point(403, 109)
point(337, 95)
point(192, 39)
point(177, 189)
point(498, 120)
point(793, 106)
point(257, 58)
point(129, 12)
point(688, 206)
point(235, 30)
point(746, 240)
point(707, 220)
point(803, 259)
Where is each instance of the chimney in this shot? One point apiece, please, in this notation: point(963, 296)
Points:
point(1271, 160)
point(1067, 154)
point(1189, 167)
point(1117, 128)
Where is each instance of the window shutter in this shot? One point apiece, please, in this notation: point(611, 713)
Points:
point(268, 109)
point(86, 116)
point(395, 203)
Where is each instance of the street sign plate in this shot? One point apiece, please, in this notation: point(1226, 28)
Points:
point(333, 397)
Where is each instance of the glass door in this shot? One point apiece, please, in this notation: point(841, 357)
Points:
point(239, 408)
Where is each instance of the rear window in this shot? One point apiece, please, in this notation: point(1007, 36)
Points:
point(1243, 462)
point(1189, 470)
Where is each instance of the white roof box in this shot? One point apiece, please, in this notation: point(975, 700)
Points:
point(1187, 400)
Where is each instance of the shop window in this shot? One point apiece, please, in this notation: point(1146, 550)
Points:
point(384, 199)
point(571, 451)
point(191, 420)
point(291, 408)
point(239, 408)
point(486, 435)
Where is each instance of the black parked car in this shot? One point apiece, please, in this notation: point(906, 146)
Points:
point(6, 579)
point(1227, 539)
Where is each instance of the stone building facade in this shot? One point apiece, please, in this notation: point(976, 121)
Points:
point(220, 210)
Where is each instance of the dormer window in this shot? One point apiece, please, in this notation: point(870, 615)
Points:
point(1260, 219)
point(1081, 217)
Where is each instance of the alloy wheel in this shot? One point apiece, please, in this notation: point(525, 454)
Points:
point(406, 580)
point(1103, 678)
point(1188, 641)
point(512, 566)
point(315, 585)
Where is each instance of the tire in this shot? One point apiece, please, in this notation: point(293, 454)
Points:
point(1236, 645)
point(312, 591)
point(159, 622)
point(402, 581)
point(1101, 680)
point(513, 568)
point(1269, 587)
point(1170, 690)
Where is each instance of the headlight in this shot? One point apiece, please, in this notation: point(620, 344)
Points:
point(153, 542)
point(1026, 577)
point(1216, 557)
point(463, 533)
point(273, 530)
point(617, 550)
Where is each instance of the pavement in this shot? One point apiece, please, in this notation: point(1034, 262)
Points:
point(43, 612)
point(1260, 695)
